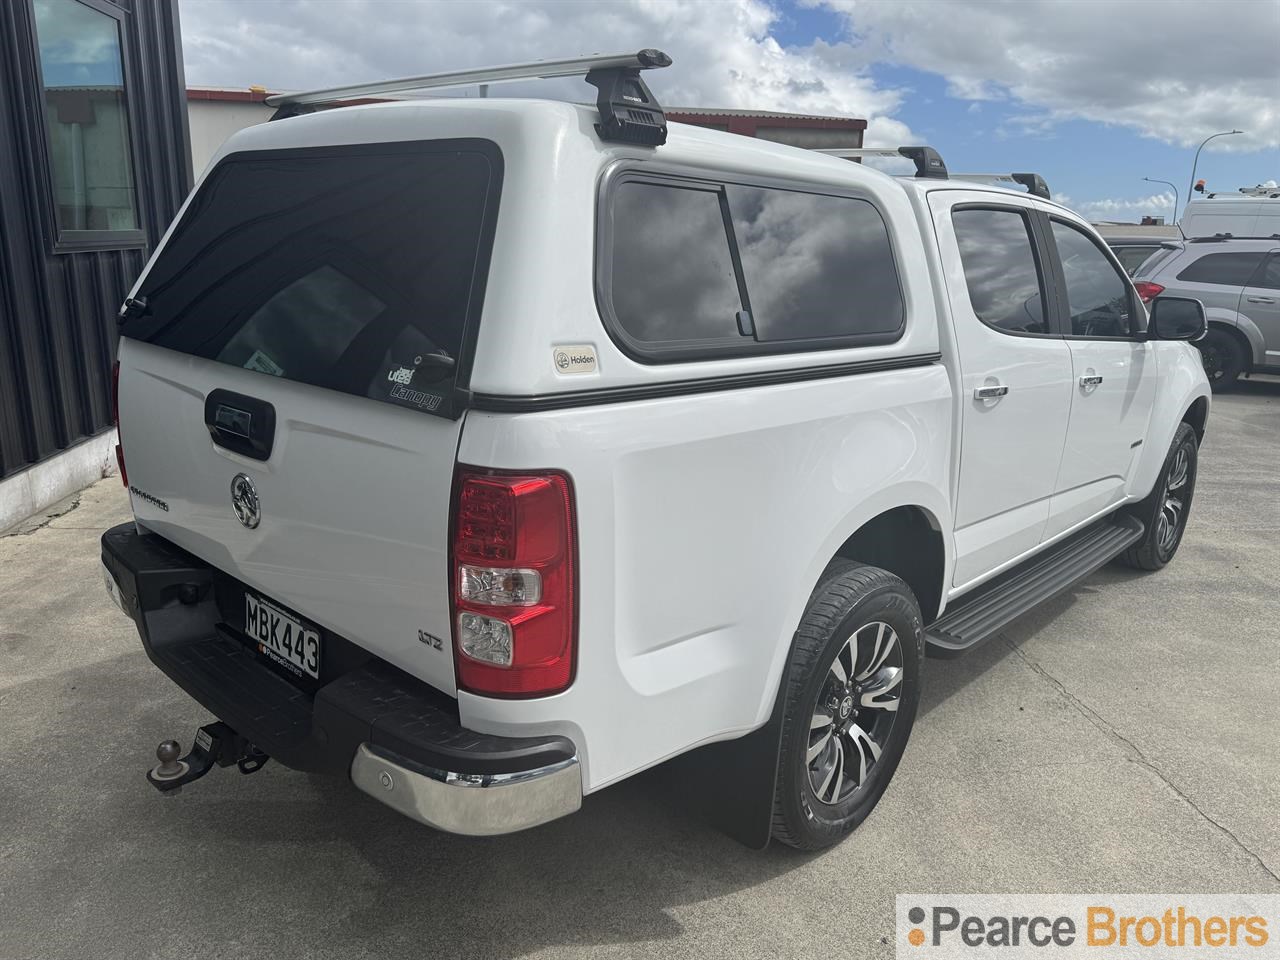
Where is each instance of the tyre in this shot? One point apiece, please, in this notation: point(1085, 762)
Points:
point(852, 688)
point(1223, 358)
point(1166, 509)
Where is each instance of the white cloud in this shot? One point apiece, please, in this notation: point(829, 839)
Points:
point(1175, 71)
point(1126, 209)
point(725, 53)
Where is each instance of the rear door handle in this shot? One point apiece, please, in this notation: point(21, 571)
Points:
point(990, 393)
point(1260, 299)
point(1090, 381)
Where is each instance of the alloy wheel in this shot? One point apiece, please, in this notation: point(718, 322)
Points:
point(1173, 507)
point(854, 712)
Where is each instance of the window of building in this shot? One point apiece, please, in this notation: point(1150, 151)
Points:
point(1098, 295)
point(1000, 269)
point(82, 67)
point(1228, 269)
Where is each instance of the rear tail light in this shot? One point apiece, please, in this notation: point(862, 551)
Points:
point(1148, 291)
point(115, 418)
point(513, 569)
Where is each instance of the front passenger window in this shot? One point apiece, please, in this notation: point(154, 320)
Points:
point(1097, 294)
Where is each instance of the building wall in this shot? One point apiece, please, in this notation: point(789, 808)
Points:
point(59, 290)
point(212, 121)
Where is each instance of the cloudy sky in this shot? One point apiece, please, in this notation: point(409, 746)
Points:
point(1093, 94)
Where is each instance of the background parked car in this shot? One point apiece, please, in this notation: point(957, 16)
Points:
point(1132, 252)
point(1238, 281)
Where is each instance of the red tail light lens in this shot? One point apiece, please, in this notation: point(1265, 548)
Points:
point(115, 418)
point(514, 577)
point(1148, 291)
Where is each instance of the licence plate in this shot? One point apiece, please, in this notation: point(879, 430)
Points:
point(282, 638)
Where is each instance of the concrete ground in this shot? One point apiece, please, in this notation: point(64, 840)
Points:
point(1121, 739)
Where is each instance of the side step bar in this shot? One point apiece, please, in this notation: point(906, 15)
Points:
point(991, 607)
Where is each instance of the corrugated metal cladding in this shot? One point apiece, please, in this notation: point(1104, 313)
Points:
point(59, 293)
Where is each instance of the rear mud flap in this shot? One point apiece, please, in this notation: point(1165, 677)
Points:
point(731, 784)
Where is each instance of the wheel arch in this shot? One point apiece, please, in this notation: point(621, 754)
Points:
point(1197, 416)
point(907, 541)
point(1183, 396)
point(1242, 330)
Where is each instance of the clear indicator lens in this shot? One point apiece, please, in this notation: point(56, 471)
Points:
point(499, 586)
point(486, 639)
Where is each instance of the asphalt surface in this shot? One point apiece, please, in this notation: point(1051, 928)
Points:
point(1123, 738)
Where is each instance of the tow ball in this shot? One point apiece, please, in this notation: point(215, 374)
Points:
point(216, 744)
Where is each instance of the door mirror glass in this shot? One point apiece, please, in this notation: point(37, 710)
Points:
point(1177, 318)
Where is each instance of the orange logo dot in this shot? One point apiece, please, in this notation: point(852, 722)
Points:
point(916, 937)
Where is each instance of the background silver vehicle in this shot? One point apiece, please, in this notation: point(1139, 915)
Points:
point(1133, 252)
point(1238, 281)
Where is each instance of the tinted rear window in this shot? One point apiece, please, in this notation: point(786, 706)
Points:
point(1230, 269)
point(816, 266)
point(353, 269)
point(1132, 257)
point(694, 269)
point(673, 272)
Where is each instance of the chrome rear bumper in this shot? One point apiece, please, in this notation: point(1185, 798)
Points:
point(470, 804)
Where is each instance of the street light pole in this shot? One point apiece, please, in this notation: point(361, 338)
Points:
point(1172, 219)
point(1224, 133)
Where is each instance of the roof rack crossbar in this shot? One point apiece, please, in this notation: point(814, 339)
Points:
point(1034, 183)
point(533, 70)
point(628, 110)
point(928, 162)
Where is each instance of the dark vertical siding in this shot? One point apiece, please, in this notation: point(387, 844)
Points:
point(57, 306)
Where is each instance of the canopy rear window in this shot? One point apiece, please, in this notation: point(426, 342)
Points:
point(359, 269)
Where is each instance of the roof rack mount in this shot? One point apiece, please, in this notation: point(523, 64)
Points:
point(1032, 181)
point(927, 160)
point(628, 110)
point(931, 166)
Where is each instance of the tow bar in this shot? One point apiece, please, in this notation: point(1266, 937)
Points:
point(215, 743)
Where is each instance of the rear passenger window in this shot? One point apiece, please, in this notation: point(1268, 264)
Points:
point(1000, 269)
point(816, 266)
point(673, 277)
point(1268, 278)
point(1228, 269)
point(691, 270)
point(1098, 297)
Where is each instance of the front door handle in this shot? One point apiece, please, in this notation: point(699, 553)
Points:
point(1090, 381)
point(990, 393)
point(1260, 299)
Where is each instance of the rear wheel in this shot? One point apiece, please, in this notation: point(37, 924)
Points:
point(851, 696)
point(1223, 359)
point(1166, 510)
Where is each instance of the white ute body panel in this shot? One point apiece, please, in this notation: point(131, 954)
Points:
point(704, 517)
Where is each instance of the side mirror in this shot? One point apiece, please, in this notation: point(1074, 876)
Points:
point(1178, 318)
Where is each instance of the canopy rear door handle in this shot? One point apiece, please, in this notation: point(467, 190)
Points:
point(990, 393)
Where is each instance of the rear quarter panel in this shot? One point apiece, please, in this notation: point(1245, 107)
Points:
point(704, 523)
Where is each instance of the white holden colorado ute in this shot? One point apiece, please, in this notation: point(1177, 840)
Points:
point(487, 452)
